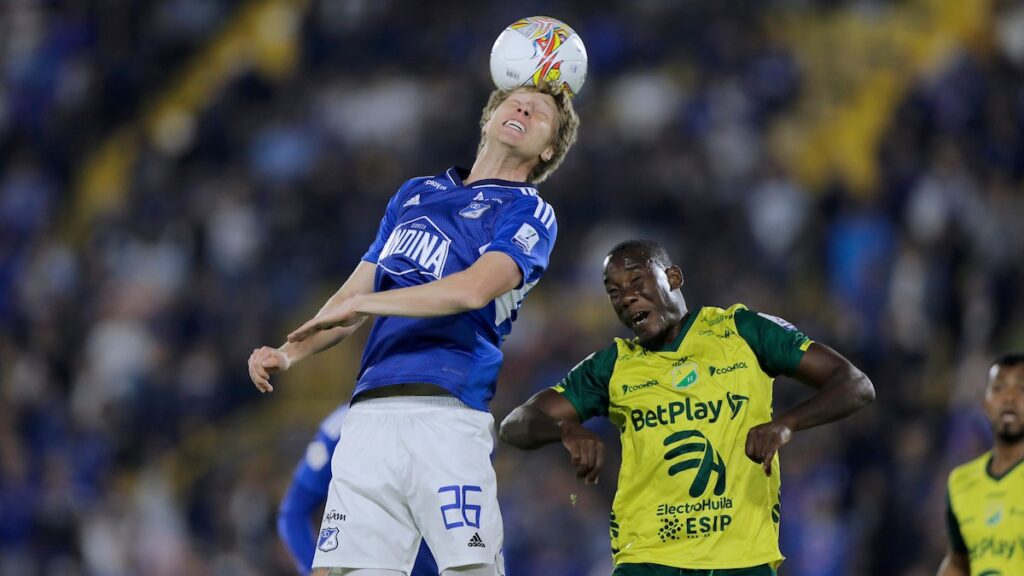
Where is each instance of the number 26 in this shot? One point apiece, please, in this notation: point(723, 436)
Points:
point(470, 512)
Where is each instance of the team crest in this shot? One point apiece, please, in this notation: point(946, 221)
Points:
point(474, 210)
point(328, 539)
point(684, 375)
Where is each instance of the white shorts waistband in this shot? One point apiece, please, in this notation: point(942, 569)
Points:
point(410, 403)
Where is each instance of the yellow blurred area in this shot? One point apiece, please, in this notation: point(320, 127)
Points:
point(856, 66)
point(262, 37)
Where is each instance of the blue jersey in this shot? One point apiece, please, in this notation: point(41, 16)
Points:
point(435, 226)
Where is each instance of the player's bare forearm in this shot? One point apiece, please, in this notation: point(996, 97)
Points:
point(547, 418)
point(296, 351)
point(359, 282)
point(842, 389)
point(528, 427)
point(954, 564)
point(490, 276)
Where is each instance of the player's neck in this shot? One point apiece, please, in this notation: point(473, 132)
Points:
point(1006, 455)
point(670, 334)
point(495, 162)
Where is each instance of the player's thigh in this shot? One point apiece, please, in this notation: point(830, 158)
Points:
point(453, 495)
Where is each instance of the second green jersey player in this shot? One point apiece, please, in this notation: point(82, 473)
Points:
point(985, 498)
point(691, 396)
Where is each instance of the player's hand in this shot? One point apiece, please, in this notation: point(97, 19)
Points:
point(263, 362)
point(586, 449)
point(340, 315)
point(764, 440)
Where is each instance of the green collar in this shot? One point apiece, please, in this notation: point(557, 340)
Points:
point(691, 316)
point(988, 468)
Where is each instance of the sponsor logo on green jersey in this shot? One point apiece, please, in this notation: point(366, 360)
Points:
point(714, 371)
point(627, 388)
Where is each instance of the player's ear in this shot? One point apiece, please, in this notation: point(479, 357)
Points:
point(675, 277)
point(547, 154)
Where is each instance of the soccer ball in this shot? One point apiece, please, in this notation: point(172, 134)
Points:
point(539, 49)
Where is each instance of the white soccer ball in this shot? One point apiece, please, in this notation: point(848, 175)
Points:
point(539, 49)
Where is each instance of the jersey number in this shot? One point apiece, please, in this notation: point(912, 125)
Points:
point(470, 512)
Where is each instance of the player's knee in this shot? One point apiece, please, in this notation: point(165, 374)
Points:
point(472, 570)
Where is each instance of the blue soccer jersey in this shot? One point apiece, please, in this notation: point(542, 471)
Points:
point(435, 226)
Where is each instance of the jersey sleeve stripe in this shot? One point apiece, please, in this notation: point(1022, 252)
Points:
point(549, 216)
point(539, 209)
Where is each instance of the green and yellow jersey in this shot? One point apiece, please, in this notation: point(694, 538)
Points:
point(688, 496)
point(985, 517)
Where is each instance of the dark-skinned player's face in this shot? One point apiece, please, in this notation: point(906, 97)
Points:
point(641, 294)
point(1004, 402)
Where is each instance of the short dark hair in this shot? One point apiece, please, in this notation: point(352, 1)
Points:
point(647, 250)
point(1008, 360)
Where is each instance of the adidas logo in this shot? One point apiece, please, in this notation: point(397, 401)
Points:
point(414, 201)
point(476, 542)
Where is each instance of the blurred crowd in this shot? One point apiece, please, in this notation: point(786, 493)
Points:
point(123, 343)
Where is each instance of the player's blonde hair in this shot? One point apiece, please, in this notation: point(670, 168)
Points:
point(565, 133)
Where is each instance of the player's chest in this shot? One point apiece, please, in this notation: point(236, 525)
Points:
point(431, 228)
point(454, 211)
point(685, 389)
point(992, 523)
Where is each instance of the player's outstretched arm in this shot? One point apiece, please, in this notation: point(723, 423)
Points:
point(265, 360)
point(548, 417)
point(955, 564)
point(842, 390)
point(492, 275)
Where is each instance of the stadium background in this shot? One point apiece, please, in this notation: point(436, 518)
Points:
point(183, 180)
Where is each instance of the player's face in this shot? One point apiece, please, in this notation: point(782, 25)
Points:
point(1004, 402)
point(641, 294)
point(526, 121)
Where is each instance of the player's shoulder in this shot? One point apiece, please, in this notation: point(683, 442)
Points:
point(432, 183)
point(716, 314)
point(743, 315)
point(968, 473)
point(516, 194)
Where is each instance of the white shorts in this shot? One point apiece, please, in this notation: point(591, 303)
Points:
point(407, 468)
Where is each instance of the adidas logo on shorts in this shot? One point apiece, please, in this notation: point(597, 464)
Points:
point(476, 542)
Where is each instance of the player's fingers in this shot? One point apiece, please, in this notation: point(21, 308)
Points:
point(261, 372)
point(767, 462)
point(574, 453)
point(262, 383)
point(583, 466)
point(598, 464)
point(750, 448)
point(305, 331)
point(298, 335)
